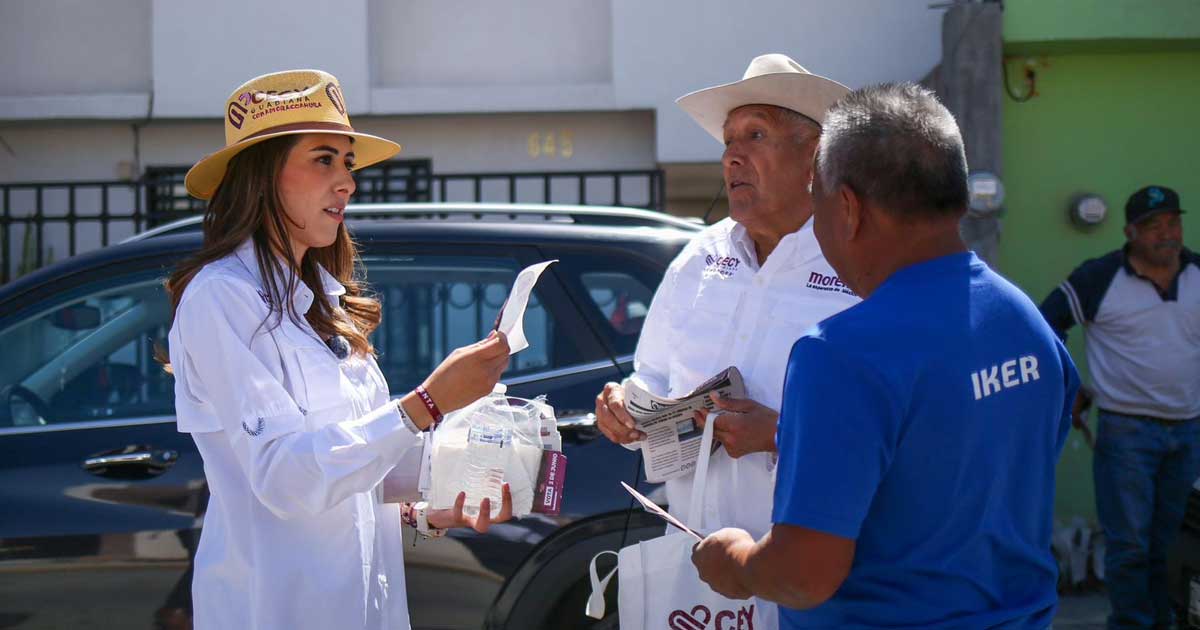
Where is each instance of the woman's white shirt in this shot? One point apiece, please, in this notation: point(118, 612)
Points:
point(295, 446)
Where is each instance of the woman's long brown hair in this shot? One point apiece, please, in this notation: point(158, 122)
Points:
point(247, 206)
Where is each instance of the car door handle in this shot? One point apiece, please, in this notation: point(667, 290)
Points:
point(136, 460)
point(577, 420)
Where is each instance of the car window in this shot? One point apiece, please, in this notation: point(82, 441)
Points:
point(622, 299)
point(615, 292)
point(90, 357)
point(433, 304)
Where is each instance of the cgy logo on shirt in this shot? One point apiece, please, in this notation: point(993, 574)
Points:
point(699, 617)
point(722, 266)
point(992, 379)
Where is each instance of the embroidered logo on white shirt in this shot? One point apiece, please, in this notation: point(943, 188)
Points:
point(258, 428)
point(822, 282)
point(723, 266)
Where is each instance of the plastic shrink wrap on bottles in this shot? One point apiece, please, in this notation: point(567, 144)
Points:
point(494, 440)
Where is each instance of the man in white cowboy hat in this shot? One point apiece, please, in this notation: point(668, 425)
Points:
point(743, 290)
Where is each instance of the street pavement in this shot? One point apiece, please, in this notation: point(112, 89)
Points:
point(1082, 612)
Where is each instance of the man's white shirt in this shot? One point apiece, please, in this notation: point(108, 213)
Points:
point(716, 308)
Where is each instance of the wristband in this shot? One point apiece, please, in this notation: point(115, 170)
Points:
point(408, 422)
point(418, 517)
point(406, 515)
point(431, 406)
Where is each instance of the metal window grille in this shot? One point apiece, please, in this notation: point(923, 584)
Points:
point(41, 222)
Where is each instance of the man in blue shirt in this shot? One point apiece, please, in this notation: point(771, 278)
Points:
point(920, 429)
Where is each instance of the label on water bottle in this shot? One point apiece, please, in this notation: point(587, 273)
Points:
point(488, 435)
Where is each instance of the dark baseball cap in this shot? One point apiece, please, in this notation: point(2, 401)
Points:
point(1150, 201)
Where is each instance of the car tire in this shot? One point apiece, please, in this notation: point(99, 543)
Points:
point(551, 590)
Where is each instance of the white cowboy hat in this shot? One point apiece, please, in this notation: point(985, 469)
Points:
point(773, 79)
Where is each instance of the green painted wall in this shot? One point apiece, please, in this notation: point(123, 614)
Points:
point(1105, 124)
point(1062, 26)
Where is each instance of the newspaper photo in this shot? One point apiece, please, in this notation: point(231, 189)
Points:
point(672, 443)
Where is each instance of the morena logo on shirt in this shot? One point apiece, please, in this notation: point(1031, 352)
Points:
point(822, 282)
point(723, 266)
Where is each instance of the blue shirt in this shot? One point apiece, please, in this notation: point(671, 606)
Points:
point(925, 423)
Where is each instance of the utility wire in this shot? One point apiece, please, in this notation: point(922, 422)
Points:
point(714, 202)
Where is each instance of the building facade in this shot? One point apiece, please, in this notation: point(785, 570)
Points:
point(1115, 86)
point(110, 91)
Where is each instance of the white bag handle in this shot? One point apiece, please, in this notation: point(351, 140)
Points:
point(595, 603)
point(700, 481)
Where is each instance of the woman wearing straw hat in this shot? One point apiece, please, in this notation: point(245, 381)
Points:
point(276, 380)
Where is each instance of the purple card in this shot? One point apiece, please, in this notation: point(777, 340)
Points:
point(548, 493)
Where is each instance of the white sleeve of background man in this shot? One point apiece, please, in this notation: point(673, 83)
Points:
point(291, 470)
point(652, 359)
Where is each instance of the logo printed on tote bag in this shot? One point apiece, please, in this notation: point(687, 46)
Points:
point(700, 616)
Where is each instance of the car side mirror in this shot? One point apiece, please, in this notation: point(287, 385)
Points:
point(76, 317)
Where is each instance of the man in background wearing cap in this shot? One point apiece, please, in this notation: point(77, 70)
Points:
point(1140, 308)
point(744, 289)
point(921, 428)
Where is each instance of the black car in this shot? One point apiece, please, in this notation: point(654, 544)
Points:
point(1183, 565)
point(103, 500)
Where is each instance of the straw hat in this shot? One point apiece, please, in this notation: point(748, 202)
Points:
point(280, 104)
point(773, 79)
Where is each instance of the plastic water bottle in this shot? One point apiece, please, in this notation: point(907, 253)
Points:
point(488, 446)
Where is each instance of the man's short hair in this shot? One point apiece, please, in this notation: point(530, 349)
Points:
point(896, 145)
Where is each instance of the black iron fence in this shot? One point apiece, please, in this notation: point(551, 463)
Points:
point(45, 221)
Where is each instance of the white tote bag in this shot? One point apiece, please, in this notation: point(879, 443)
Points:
point(660, 588)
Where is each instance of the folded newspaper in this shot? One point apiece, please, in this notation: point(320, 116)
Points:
point(672, 443)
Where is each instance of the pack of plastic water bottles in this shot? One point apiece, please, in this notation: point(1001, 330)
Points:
point(499, 439)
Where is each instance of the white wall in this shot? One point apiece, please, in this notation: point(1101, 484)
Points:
point(500, 142)
point(450, 56)
point(59, 151)
point(466, 43)
point(663, 50)
point(59, 47)
point(73, 151)
point(74, 58)
point(204, 50)
point(77, 150)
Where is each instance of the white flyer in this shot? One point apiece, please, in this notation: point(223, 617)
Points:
point(512, 315)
